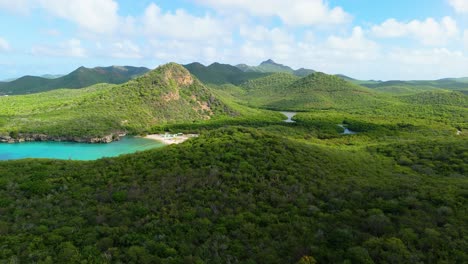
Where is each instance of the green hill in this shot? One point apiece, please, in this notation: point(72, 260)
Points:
point(283, 91)
point(217, 73)
point(276, 82)
point(81, 77)
point(166, 95)
point(239, 195)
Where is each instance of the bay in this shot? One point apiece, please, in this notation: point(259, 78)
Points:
point(75, 151)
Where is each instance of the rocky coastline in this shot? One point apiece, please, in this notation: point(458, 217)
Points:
point(43, 137)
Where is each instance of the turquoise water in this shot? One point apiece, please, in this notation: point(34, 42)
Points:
point(75, 151)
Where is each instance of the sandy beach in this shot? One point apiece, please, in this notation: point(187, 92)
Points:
point(171, 138)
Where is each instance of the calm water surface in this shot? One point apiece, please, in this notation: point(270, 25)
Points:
point(75, 151)
point(289, 116)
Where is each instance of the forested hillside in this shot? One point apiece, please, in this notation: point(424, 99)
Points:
point(438, 98)
point(283, 91)
point(166, 95)
point(239, 195)
point(251, 188)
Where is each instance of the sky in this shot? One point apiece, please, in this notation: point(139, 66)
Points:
point(364, 39)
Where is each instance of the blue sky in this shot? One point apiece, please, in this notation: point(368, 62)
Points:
point(366, 39)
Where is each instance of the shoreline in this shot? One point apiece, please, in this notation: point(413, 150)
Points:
point(169, 139)
point(44, 138)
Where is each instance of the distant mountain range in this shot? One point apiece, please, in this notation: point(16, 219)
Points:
point(52, 76)
point(446, 83)
point(214, 74)
point(47, 76)
point(81, 77)
point(218, 73)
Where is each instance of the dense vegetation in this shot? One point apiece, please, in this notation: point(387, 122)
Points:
point(283, 91)
point(438, 98)
point(238, 195)
point(166, 95)
point(81, 77)
point(251, 188)
point(338, 99)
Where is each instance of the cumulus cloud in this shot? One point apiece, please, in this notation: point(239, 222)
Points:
point(357, 45)
point(188, 51)
point(4, 45)
point(293, 12)
point(95, 16)
point(180, 25)
point(353, 53)
point(261, 33)
point(460, 6)
point(69, 48)
point(240, 31)
point(429, 32)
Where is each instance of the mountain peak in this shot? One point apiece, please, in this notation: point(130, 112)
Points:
point(269, 61)
point(175, 72)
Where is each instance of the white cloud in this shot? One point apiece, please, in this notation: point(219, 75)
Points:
point(460, 6)
point(18, 6)
point(356, 46)
point(237, 31)
point(354, 54)
point(250, 52)
point(292, 12)
point(95, 16)
point(181, 25)
point(261, 33)
point(69, 48)
point(429, 32)
point(125, 50)
point(4, 45)
point(427, 63)
point(128, 26)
